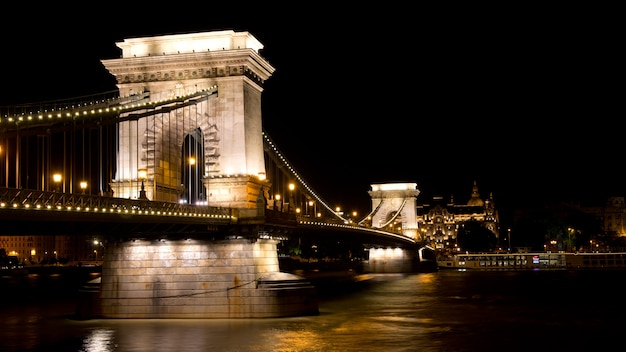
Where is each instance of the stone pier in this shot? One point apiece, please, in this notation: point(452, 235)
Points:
point(392, 260)
point(231, 278)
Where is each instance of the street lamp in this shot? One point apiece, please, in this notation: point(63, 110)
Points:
point(291, 188)
point(569, 239)
point(83, 186)
point(57, 182)
point(509, 240)
point(192, 162)
point(142, 174)
point(1, 170)
point(276, 200)
point(97, 245)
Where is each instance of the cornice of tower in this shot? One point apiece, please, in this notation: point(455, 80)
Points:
point(394, 193)
point(190, 66)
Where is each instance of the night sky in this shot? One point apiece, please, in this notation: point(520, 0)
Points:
point(524, 101)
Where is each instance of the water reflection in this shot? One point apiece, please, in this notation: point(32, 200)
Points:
point(442, 311)
point(99, 340)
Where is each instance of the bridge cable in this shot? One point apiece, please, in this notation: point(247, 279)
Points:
point(395, 215)
point(282, 159)
point(371, 214)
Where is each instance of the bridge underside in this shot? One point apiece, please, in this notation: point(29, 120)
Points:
point(363, 251)
point(59, 223)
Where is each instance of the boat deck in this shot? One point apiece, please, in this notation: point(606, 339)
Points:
point(537, 260)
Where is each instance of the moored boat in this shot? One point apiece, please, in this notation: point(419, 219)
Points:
point(597, 260)
point(534, 261)
point(503, 261)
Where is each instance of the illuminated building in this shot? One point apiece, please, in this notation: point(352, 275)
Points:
point(439, 222)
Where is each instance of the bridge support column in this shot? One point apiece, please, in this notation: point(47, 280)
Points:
point(187, 278)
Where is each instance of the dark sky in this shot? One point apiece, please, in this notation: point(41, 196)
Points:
point(525, 101)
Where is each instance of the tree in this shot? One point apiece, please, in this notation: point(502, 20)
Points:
point(474, 237)
point(562, 223)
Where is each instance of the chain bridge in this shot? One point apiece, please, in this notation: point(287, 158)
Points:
point(188, 198)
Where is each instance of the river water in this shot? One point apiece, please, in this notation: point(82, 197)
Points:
point(439, 311)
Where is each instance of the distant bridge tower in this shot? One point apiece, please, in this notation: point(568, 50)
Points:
point(200, 136)
point(392, 202)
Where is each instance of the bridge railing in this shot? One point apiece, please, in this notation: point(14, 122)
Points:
point(28, 198)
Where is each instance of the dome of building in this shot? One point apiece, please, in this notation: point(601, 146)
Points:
point(475, 200)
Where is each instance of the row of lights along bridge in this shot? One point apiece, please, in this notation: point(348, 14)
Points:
point(279, 204)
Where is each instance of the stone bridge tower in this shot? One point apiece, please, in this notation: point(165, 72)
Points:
point(200, 136)
point(395, 202)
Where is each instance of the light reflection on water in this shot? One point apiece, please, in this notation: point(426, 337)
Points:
point(442, 311)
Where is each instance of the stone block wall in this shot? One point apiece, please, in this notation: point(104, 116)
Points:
point(236, 278)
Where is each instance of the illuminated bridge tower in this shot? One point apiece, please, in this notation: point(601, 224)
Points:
point(394, 205)
point(200, 137)
point(195, 135)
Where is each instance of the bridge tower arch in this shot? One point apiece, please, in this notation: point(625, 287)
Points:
point(392, 202)
point(204, 86)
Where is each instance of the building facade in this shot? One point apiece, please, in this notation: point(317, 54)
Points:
point(53, 249)
point(439, 221)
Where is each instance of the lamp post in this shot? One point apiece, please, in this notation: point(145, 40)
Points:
point(569, 239)
point(97, 245)
point(290, 200)
point(57, 182)
point(1, 168)
point(509, 239)
point(142, 174)
point(192, 162)
point(83, 187)
point(276, 200)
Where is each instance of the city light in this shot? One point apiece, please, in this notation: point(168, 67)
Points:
point(57, 181)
